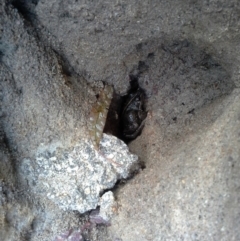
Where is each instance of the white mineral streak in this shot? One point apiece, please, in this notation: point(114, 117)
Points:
point(74, 178)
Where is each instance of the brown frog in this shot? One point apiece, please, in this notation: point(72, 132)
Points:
point(133, 114)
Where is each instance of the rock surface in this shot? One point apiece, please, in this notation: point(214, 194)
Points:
point(190, 190)
point(75, 178)
point(186, 55)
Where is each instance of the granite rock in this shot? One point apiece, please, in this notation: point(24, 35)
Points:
point(75, 178)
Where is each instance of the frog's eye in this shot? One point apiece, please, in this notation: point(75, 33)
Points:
point(98, 115)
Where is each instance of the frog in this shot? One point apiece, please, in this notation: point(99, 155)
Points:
point(133, 115)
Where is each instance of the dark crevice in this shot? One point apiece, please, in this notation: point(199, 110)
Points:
point(66, 67)
point(127, 114)
point(192, 111)
point(112, 125)
point(5, 147)
point(1, 55)
point(26, 8)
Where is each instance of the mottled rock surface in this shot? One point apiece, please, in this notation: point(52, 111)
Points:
point(190, 190)
point(75, 178)
point(186, 55)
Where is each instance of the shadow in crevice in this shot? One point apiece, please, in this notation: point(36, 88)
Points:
point(26, 8)
point(8, 170)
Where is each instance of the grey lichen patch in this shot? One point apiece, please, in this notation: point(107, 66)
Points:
point(74, 178)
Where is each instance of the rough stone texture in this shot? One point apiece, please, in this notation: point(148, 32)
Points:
point(75, 178)
point(107, 207)
point(70, 235)
point(97, 37)
point(187, 57)
point(107, 210)
point(189, 191)
point(37, 103)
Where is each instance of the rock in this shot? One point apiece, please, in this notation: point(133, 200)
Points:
point(71, 235)
point(107, 207)
point(185, 55)
point(104, 214)
point(74, 178)
point(192, 192)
